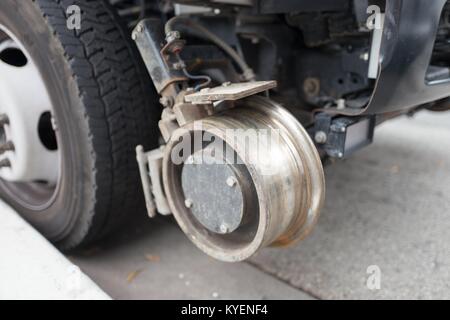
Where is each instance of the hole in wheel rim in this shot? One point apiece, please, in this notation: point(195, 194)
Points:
point(46, 133)
point(13, 57)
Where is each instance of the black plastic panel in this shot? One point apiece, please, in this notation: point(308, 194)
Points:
point(408, 39)
point(287, 6)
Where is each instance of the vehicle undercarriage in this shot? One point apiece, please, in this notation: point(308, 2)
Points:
point(251, 99)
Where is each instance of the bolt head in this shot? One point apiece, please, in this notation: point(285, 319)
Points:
point(188, 203)
point(231, 182)
point(166, 102)
point(320, 137)
point(179, 65)
point(224, 228)
point(172, 36)
point(311, 86)
point(341, 104)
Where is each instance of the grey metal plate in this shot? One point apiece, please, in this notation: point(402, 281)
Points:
point(217, 205)
point(232, 91)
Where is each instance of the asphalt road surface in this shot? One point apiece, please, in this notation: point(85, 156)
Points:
point(388, 206)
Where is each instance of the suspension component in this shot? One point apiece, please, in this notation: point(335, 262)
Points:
point(239, 172)
point(256, 193)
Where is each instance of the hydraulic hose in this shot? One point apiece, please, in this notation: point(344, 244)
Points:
point(204, 33)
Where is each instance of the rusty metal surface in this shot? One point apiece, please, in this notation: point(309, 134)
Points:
point(230, 91)
point(287, 178)
point(149, 38)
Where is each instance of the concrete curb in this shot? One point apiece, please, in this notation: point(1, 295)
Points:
point(31, 268)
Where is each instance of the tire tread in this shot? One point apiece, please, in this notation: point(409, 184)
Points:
point(120, 109)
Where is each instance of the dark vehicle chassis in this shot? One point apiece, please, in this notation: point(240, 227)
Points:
point(318, 75)
point(334, 72)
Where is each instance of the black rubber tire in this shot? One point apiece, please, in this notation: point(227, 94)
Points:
point(104, 105)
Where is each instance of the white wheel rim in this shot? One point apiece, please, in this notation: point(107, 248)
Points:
point(24, 100)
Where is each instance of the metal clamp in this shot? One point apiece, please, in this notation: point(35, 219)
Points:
point(150, 166)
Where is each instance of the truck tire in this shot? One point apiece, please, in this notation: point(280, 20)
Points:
point(104, 105)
